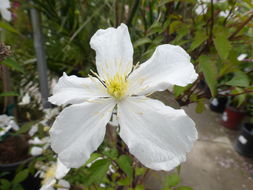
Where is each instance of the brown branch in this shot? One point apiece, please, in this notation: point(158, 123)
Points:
point(245, 92)
point(241, 27)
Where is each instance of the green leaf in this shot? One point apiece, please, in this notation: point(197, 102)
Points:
point(140, 171)
point(111, 153)
point(171, 180)
point(139, 187)
point(200, 106)
point(156, 27)
point(97, 171)
point(17, 187)
point(26, 127)
point(141, 42)
point(239, 79)
point(184, 188)
point(13, 65)
point(208, 67)
point(125, 163)
point(125, 181)
point(222, 44)
point(5, 184)
point(8, 27)
point(21, 176)
point(179, 90)
point(199, 38)
point(9, 94)
point(93, 157)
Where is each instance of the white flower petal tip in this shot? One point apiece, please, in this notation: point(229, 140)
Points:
point(61, 170)
point(4, 6)
point(114, 51)
point(242, 56)
point(36, 151)
point(169, 65)
point(73, 90)
point(157, 135)
point(79, 130)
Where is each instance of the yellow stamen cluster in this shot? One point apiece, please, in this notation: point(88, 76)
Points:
point(117, 86)
point(49, 174)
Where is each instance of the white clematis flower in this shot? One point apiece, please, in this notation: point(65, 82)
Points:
point(55, 172)
point(157, 135)
point(4, 6)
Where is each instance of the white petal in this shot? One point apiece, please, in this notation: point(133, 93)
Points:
point(35, 151)
point(169, 65)
point(36, 140)
point(64, 184)
point(79, 130)
point(61, 170)
point(6, 14)
point(114, 51)
point(157, 135)
point(48, 185)
point(5, 4)
point(73, 89)
point(242, 56)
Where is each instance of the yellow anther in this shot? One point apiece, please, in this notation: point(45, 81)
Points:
point(117, 86)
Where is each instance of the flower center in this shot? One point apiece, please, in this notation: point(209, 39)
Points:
point(50, 173)
point(117, 86)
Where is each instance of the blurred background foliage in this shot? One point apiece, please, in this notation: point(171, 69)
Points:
point(213, 32)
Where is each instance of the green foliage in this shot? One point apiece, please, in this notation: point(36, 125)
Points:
point(8, 27)
point(239, 79)
point(21, 176)
point(208, 67)
point(11, 63)
point(199, 39)
point(221, 42)
point(171, 180)
point(8, 94)
point(97, 171)
point(125, 163)
point(26, 127)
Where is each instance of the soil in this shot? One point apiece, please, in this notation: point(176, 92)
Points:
point(14, 149)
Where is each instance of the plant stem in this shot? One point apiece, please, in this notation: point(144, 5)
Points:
point(241, 27)
point(133, 11)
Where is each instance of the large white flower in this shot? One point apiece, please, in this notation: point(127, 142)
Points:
point(53, 173)
point(157, 135)
point(4, 9)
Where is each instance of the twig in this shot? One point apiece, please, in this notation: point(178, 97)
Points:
point(230, 12)
point(241, 27)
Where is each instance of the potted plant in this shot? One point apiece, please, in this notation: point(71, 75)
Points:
point(16, 163)
point(234, 112)
point(218, 104)
point(244, 143)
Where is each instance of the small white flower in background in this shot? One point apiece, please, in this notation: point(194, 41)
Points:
point(34, 129)
point(4, 9)
point(159, 136)
point(201, 7)
point(25, 100)
point(39, 145)
point(36, 151)
point(7, 123)
point(242, 56)
point(52, 174)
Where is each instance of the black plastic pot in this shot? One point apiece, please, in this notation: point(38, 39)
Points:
point(30, 183)
point(244, 143)
point(218, 104)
